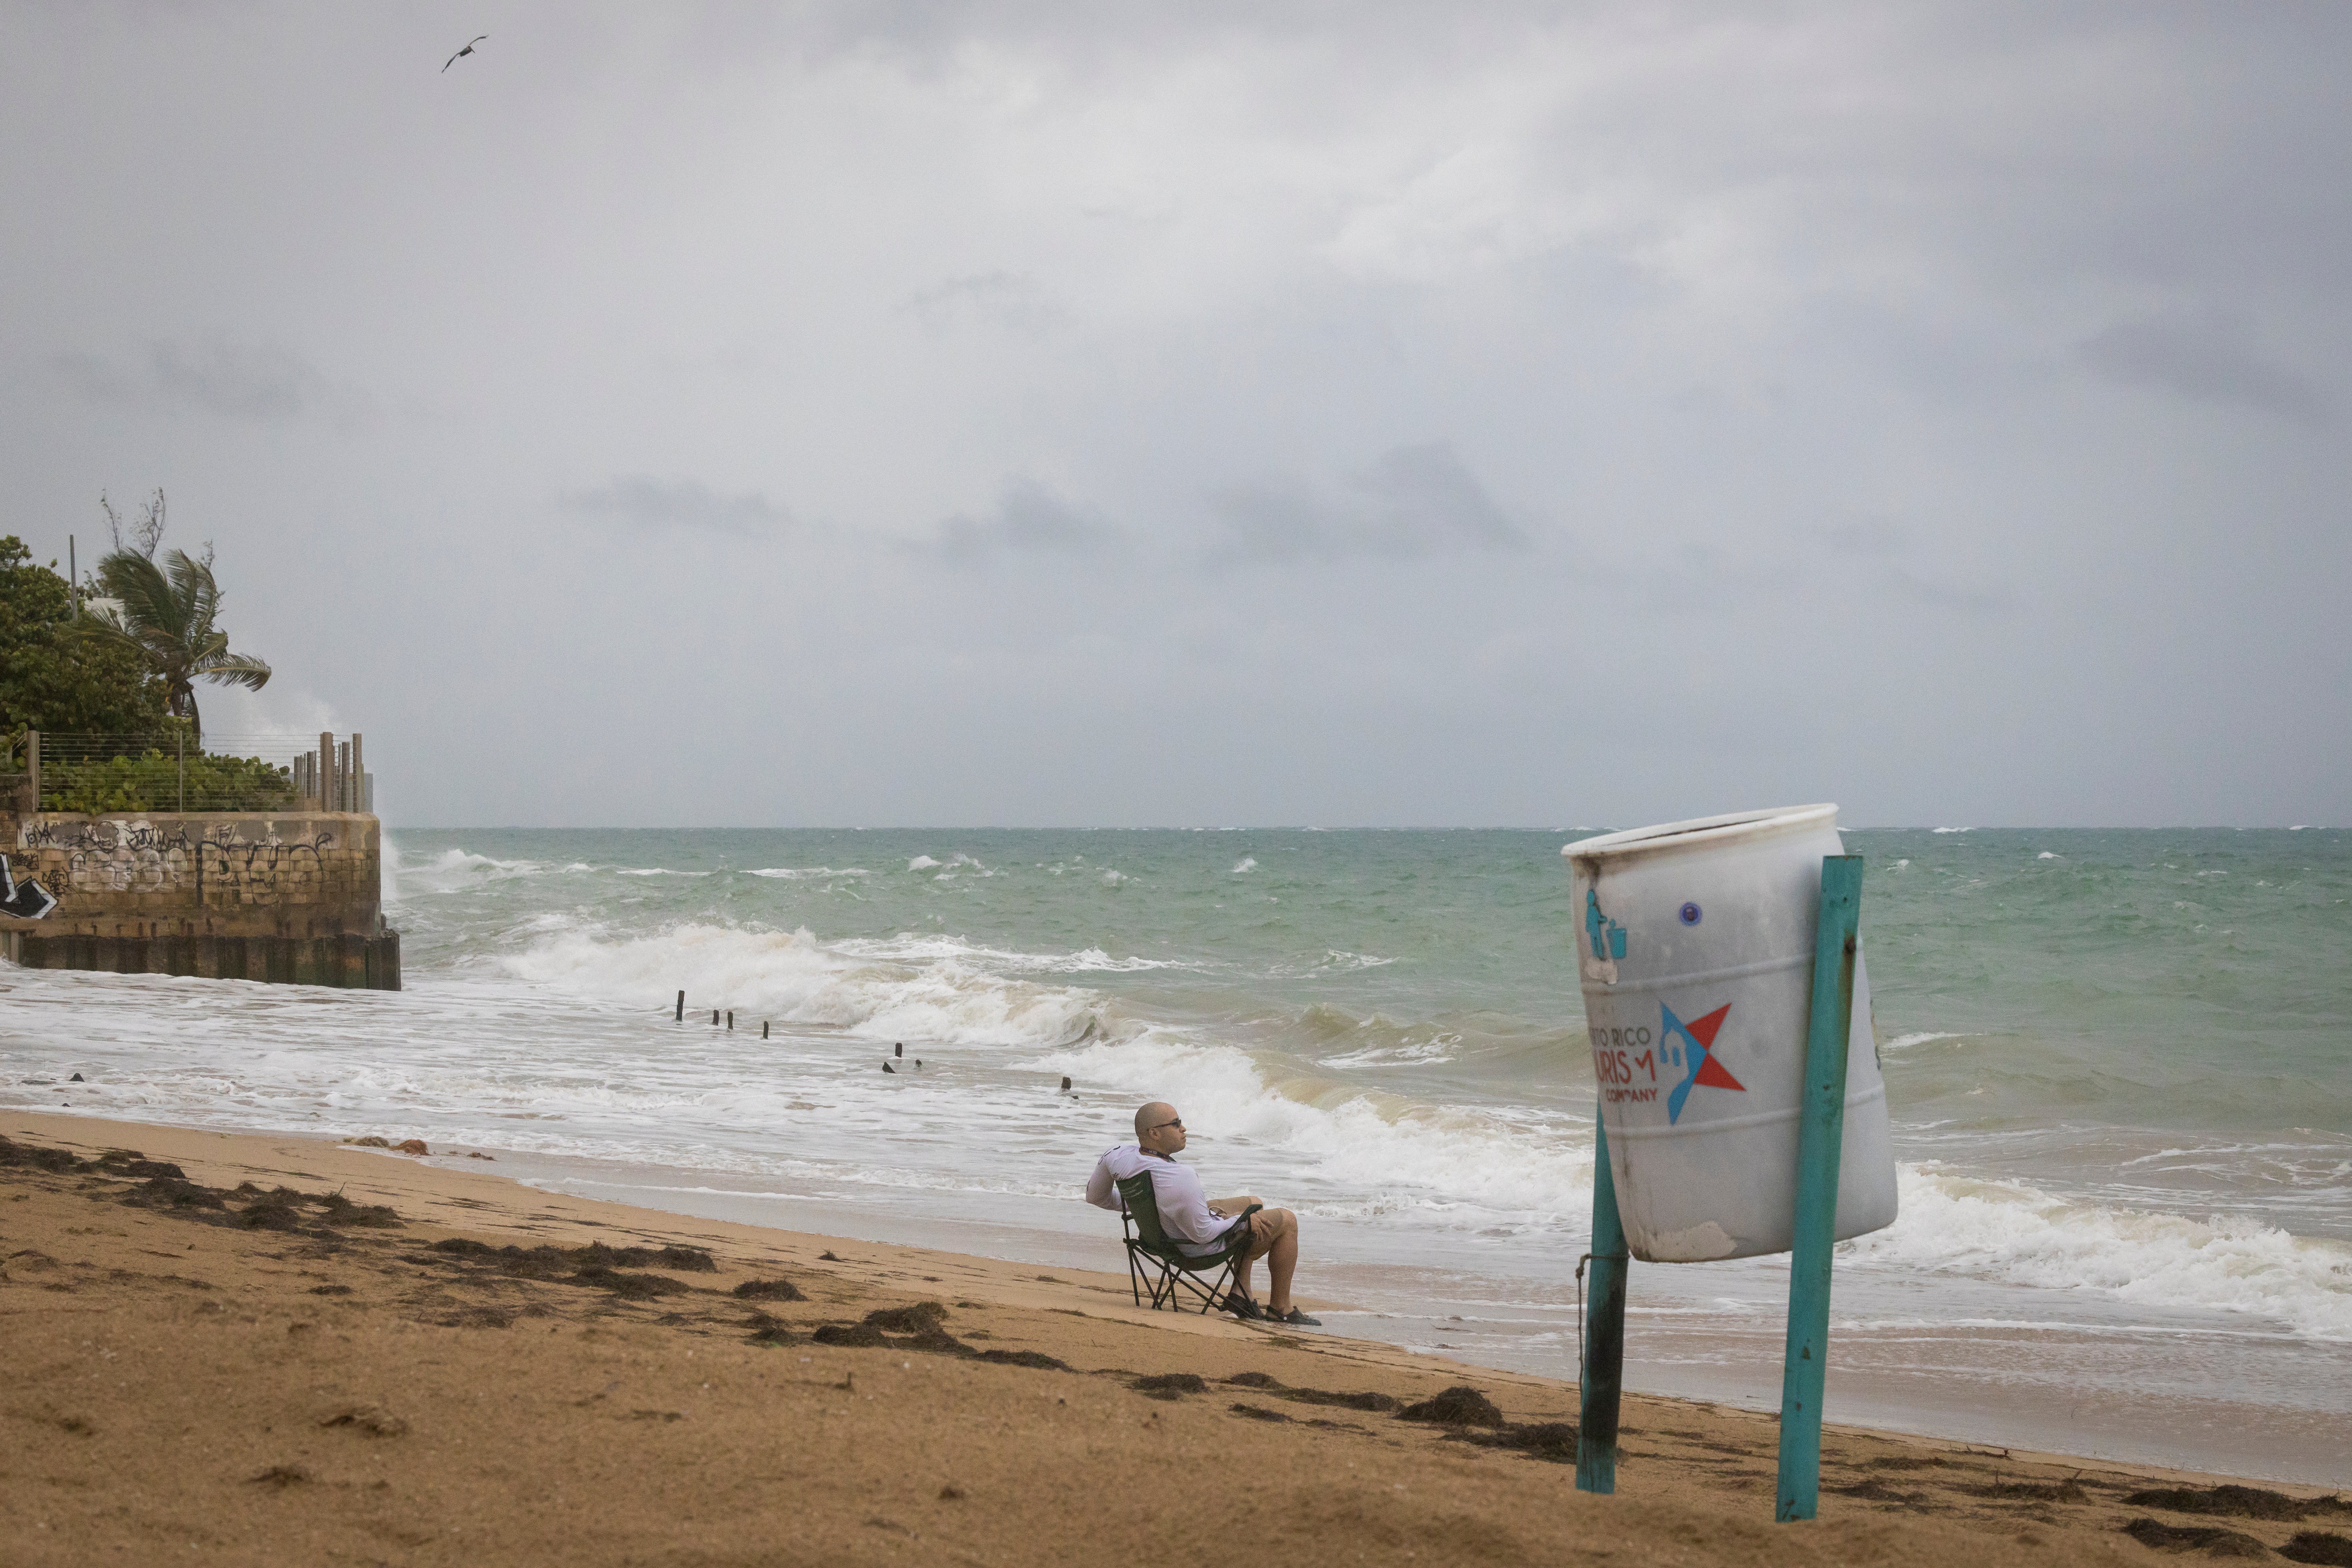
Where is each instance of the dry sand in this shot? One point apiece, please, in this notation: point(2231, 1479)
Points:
point(198, 1373)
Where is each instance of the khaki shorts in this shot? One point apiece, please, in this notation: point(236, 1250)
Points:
point(1267, 1226)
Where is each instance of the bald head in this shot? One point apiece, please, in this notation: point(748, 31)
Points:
point(1158, 1129)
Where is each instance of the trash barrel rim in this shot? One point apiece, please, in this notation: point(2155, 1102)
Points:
point(1697, 832)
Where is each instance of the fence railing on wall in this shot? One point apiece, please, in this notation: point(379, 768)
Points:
point(170, 770)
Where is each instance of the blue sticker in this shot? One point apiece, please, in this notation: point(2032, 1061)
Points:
point(1690, 914)
point(1607, 936)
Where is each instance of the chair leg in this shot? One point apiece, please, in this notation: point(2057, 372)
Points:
point(1221, 1288)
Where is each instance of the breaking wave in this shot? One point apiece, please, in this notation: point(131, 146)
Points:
point(790, 977)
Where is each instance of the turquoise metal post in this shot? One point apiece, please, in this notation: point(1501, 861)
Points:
point(1604, 1331)
point(1821, 1132)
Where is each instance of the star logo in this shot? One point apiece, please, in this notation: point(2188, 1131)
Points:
point(1696, 1056)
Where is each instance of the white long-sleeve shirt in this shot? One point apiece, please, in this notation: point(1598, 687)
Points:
point(1184, 1212)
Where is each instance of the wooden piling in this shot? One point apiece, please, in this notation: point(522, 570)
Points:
point(1603, 1374)
point(730, 1020)
point(1820, 1132)
point(763, 1029)
point(681, 1006)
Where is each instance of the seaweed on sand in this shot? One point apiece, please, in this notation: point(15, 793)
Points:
point(1461, 1405)
point(2212, 1540)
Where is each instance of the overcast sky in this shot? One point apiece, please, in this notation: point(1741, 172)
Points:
point(1102, 414)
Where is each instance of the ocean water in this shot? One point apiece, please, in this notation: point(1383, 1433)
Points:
point(2119, 1064)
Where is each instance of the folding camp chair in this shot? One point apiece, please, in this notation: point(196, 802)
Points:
point(1155, 1265)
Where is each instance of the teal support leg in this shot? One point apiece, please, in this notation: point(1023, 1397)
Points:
point(1604, 1331)
point(1821, 1131)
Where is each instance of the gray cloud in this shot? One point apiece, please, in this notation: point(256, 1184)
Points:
point(249, 382)
point(1414, 501)
point(2211, 358)
point(1028, 520)
point(642, 501)
point(1006, 299)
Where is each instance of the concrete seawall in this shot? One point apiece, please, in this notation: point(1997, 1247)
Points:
point(293, 897)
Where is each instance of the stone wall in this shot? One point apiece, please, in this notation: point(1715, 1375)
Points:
point(291, 896)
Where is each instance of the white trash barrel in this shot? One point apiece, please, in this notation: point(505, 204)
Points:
point(1695, 944)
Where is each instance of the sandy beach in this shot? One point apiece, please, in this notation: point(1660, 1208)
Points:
point(260, 1348)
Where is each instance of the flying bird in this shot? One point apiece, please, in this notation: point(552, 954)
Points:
point(461, 54)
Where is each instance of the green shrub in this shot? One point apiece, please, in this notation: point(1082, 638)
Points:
point(153, 782)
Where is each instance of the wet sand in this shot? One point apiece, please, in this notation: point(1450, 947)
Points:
point(281, 1351)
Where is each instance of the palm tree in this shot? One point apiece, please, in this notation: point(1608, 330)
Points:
point(166, 613)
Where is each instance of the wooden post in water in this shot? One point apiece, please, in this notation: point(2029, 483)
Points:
point(763, 1029)
point(681, 1006)
point(1603, 1360)
point(730, 1020)
point(1821, 1132)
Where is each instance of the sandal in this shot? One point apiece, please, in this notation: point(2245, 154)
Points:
point(1242, 1307)
point(1297, 1319)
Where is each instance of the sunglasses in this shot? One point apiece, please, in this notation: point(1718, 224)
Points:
point(1171, 1121)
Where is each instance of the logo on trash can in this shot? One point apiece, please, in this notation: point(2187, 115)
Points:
point(1697, 1056)
point(1607, 936)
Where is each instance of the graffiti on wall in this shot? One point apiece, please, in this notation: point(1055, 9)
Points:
point(245, 862)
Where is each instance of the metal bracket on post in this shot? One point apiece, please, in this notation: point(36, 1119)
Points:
point(1601, 1361)
point(1820, 1132)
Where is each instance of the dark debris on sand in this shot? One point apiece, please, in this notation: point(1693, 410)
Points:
point(594, 1266)
point(2319, 1546)
point(1379, 1404)
point(912, 1320)
point(282, 1477)
point(1171, 1385)
point(372, 1420)
point(1552, 1440)
point(2241, 1502)
point(851, 1336)
point(769, 1290)
point(2033, 1491)
point(2212, 1540)
point(164, 1188)
point(924, 1319)
point(1461, 1405)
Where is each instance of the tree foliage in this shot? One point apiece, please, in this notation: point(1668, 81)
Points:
point(55, 674)
point(167, 615)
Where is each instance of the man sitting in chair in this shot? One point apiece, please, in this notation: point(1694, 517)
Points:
point(1199, 1225)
